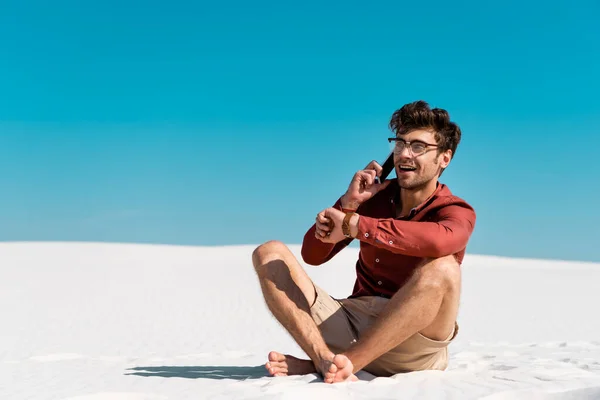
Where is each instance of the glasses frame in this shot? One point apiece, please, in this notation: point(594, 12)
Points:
point(409, 144)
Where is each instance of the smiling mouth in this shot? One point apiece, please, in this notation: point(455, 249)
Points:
point(406, 168)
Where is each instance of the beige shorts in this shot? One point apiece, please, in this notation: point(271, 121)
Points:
point(342, 321)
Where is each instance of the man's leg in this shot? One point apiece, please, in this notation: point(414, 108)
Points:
point(428, 304)
point(289, 293)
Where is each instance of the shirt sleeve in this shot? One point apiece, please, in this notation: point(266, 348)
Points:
point(315, 252)
point(446, 236)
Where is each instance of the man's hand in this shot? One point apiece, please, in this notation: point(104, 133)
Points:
point(329, 225)
point(363, 186)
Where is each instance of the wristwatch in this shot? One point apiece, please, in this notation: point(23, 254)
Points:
point(346, 224)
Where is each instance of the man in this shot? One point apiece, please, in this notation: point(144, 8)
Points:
point(413, 232)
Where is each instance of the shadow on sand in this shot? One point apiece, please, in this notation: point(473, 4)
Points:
point(219, 372)
point(206, 372)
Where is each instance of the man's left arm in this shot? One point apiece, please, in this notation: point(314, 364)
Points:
point(448, 235)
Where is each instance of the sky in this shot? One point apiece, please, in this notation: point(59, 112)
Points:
point(196, 123)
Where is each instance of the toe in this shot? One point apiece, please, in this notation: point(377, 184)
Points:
point(340, 361)
point(333, 368)
point(330, 374)
point(275, 356)
point(344, 367)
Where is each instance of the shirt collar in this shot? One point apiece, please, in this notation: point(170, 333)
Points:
point(394, 196)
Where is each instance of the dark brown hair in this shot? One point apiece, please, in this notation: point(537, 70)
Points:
point(418, 115)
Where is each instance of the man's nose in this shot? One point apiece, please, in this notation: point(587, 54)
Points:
point(405, 152)
point(402, 158)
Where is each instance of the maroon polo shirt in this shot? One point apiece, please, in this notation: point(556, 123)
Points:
point(391, 248)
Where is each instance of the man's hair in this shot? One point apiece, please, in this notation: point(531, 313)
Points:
point(418, 115)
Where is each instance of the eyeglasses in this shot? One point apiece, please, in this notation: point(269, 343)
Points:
point(417, 147)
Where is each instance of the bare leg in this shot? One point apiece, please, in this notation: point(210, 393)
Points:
point(289, 293)
point(428, 304)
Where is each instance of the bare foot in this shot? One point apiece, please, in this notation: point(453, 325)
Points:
point(340, 370)
point(283, 365)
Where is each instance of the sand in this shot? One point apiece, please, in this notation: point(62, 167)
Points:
point(102, 321)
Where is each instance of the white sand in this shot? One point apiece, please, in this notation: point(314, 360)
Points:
point(109, 321)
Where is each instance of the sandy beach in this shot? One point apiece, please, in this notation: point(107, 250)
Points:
point(103, 321)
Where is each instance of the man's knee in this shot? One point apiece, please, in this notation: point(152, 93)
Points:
point(442, 273)
point(268, 251)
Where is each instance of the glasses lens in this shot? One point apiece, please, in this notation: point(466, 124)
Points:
point(418, 148)
point(397, 145)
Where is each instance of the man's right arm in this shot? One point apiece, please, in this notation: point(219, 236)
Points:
point(314, 251)
point(361, 188)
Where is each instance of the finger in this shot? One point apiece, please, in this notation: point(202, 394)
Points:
point(331, 213)
point(323, 219)
point(374, 165)
point(367, 178)
point(374, 189)
point(372, 172)
point(323, 227)
point(323, 238)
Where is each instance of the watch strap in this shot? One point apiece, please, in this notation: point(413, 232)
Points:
point(346, 224)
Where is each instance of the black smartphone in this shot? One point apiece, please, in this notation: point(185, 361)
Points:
point(386, 168)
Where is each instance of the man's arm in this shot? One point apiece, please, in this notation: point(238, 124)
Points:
point(316, 252)
point(361, 188)
point(446, 236)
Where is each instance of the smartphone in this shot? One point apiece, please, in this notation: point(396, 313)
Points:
point(386, 168)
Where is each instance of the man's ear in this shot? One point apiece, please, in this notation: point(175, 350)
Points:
point(445, 158)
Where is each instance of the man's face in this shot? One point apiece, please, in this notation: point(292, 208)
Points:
point(416, 170)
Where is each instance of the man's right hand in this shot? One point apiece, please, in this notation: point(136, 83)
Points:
point(363, 186)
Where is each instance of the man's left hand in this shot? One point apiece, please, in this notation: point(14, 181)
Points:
point(331, 230)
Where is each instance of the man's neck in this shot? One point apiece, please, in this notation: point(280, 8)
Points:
point(410, 199)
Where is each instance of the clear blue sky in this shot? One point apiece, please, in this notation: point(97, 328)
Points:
point(236, 122)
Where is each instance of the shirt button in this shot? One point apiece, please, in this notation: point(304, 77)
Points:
point(377, 260)
point(380, 283)
point(366, 235)
point(390, 242)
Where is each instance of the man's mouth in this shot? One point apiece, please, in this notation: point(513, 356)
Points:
point(406, 168)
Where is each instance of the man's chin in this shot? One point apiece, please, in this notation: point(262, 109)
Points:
point(405, 181)
point(409, 184)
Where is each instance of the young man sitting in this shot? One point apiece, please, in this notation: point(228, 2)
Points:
point(413, 232)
